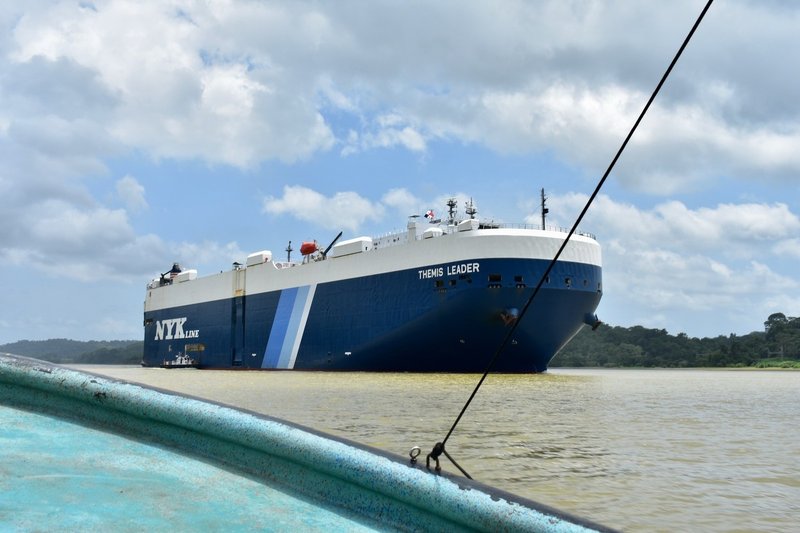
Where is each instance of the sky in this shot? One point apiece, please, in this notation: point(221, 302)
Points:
point(134, 134)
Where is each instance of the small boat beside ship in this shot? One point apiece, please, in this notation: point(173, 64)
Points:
point(438, 297)
point(180, 361)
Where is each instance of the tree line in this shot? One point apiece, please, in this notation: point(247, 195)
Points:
point(613, 346)
point(67, 351)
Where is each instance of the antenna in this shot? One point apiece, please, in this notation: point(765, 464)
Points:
point(289, 252)
point(544, 209)
point(451, 209)
point(471, 211)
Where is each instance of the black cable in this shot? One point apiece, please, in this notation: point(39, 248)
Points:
point(439, 448)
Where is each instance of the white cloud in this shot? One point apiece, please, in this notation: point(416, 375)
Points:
point(229, 92)
point(85, 243)
point(690, 266)
point(746, 230)
point(132, 194)
point(342, 210)
point(62, 229)
point(335, 97)
point(239, 82)
point(207, 253)
point(403, 201)
point(185, 85)
point(92, 243)
point(388, 131)
point(788, 247)
point(350, 210)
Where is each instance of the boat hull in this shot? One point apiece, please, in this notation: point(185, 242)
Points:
point(446, 317)
point(83, 451)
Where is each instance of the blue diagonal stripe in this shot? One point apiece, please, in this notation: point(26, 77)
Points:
point(280, 326)
point(293, 327)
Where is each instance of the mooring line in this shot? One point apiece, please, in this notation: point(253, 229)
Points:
point(439, 447)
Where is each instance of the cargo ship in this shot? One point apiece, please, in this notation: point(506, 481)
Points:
point(438, 297)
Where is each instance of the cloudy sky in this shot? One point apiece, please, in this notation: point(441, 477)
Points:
point(134, 134)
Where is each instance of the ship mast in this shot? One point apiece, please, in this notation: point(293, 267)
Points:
point(471, 211)
point(289, 252)
point(451, 209)
point(544, 210)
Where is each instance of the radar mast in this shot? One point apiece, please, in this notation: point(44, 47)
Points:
point(451, 209)
point(471, 211)
point(544, 210)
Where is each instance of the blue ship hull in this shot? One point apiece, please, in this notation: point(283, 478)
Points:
point(395, 321)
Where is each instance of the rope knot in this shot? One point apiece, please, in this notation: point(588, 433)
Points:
point(438, 449)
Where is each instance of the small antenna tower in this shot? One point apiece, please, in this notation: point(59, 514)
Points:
point(544, 209)
point(451, 209)
point(471, 211)
point(289, 252)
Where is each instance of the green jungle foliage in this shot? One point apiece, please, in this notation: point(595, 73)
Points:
point(65, 351)
point(777, 363)
point(777, 346)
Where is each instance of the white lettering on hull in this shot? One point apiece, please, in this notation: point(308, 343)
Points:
point(429, 273)
point(463, 268)
point(172, 328)
point(451, 270)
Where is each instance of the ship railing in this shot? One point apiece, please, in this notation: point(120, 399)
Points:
point(558, 229)
point(389, 239)
point(392, 238)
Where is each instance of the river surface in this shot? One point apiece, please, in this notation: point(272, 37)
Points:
point(639, 450)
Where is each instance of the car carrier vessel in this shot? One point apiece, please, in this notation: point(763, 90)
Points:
point(438, 297)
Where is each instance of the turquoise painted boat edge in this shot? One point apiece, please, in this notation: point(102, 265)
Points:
point(380, 488)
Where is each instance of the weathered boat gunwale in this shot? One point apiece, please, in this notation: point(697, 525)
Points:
point(374, 487)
